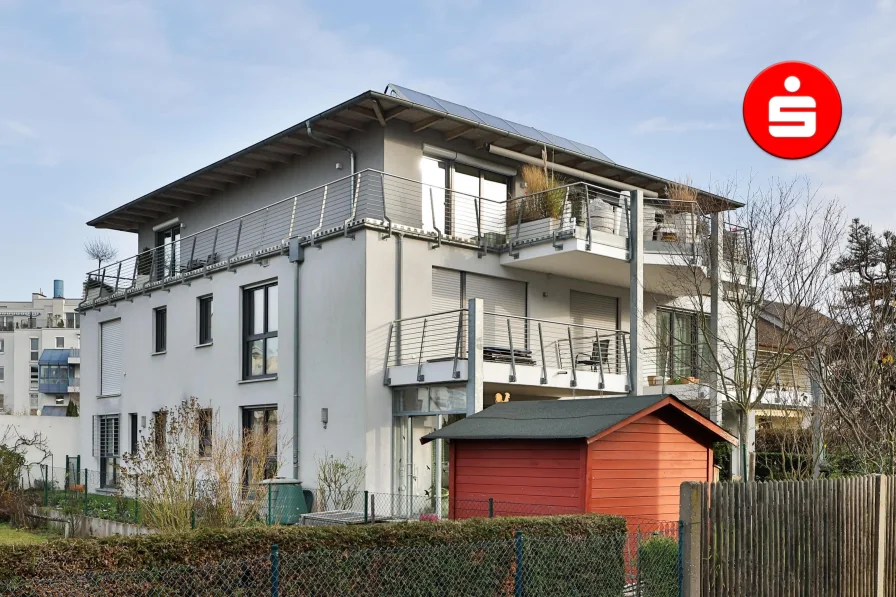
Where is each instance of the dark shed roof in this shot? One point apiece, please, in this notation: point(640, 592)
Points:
point(563, 419)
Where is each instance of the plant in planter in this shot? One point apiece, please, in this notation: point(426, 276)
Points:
point(545, 208)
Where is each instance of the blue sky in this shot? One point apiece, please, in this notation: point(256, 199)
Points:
point(103, 100)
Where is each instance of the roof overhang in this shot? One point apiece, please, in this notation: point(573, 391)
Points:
point(338, 123)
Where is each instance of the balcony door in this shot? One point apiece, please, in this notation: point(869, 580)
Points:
point(167, 251)
point(599, 317)
point(434, 200)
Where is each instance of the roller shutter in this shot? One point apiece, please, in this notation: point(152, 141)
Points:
point(446, 290)
point(501, 297)
point(110, 358)
point(601, 312)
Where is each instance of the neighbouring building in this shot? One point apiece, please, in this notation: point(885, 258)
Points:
point(382, 269)
point(40, 357)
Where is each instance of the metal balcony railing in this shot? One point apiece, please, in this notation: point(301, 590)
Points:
point(575, 210)
point(375, 198)
point(517, 341)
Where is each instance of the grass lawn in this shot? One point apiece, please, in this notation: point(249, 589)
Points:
point(10, 536)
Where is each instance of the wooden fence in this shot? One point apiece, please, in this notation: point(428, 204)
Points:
point(824, 538)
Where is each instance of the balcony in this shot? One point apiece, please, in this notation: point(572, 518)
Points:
point(578, 230)
point(517, 351)
point(74, 356)
point(54, 385)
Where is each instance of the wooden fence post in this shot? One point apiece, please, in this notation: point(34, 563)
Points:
point(691, 533)
point(880, 539)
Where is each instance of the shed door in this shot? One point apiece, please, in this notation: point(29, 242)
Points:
point(600, 316)
point(110, 358)
point(500, 297)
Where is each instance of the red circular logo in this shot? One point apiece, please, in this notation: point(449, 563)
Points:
point(792, 110)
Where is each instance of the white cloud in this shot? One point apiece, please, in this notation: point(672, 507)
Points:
point(661, 124)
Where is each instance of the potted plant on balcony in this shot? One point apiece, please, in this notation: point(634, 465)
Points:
point(544, 209)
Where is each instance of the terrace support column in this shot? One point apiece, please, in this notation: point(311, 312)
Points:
point(636, 307)
point(475, 329)
point(715, 302)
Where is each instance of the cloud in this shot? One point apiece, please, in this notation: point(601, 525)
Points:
point(661, 124)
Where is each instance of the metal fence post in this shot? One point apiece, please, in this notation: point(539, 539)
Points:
point(137, 500)
point(491, 507)
point(270, 513)
point(46, 485)
point(67, 468)
point(85, 491)
point(275, 571)
point(518, 577)
point(366, 498)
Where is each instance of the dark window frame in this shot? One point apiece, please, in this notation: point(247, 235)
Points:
point(206, 311)
point(160, 430)
point(249, 338)
point(133, 433)
point(206, 418)
point(160, 329)
point(270, 465)
point(673, 346)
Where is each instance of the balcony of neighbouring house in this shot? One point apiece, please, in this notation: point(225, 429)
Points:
point(74, 356)
point(521, 352)
point(55, 374)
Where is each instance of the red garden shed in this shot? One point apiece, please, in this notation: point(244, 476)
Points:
point(626, 456)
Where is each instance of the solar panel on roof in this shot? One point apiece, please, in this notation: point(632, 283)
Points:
point(515, 128)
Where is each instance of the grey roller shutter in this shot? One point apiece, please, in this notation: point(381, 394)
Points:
point(501, 297)
point(110, 358)
point(446, 290)
point(600, 312)
point(593, 310)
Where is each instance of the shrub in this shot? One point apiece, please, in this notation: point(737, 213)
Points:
point(658, 567)
point(65, 557)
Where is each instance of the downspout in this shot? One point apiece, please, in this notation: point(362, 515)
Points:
point(330, 142)
point(297, 256)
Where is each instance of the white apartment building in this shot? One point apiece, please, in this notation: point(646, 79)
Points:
point(39, 354)
point(380, 270)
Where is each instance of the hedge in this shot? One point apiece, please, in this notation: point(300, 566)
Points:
point(658, 567)
point(198, 548)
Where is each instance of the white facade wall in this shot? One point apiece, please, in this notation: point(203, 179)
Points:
point(59, 433)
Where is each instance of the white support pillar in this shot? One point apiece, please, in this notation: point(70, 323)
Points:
point(715, 302)
point(475, 328)
point(636, 307)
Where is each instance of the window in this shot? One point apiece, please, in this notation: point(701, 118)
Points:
point(260, 348)
point(160, 329)
point(260, 430)
point(110, 358)
point(132, 432)
point(35, 348)
point(2, 345)
point(2, 404)
point(680, 344)
point(35, 376)
point(2, 374)
point(205, 432)
point(73, 320)
point(33, 402)
point(7, 323)
point(159, 429)
point(106, 448)
point(206, 310)
point(60, 342)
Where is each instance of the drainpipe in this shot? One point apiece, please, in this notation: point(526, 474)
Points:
point(330, 142)
point(297, 256)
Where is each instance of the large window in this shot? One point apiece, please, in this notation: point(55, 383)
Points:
point(470, 208)
point(206, 310)
point(106, 438)
point(60, 342)
point(35, 348)
point(72, 320)
point(260, 343)
point(35, 376)
point(133, 433)
point(160, 329)
point(681, 349)
point(110, 358)
point(160, 430)
point(260, 430)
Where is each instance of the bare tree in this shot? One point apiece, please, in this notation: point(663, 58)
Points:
point(770, 264)
point(100, 249)
point(859, 373)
